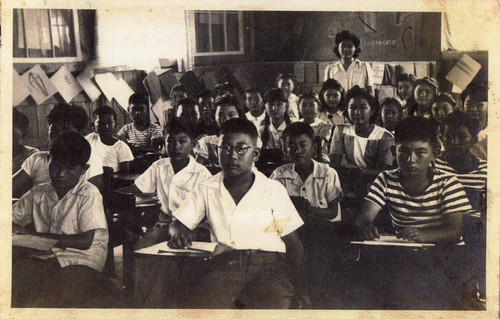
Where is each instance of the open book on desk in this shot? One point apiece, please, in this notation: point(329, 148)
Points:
point(32, 241)
point(391, 240)
point(197, 248)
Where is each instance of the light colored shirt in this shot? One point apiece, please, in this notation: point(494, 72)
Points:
point(319, 188)
point(257, 121)
point(111, 155)
point(358, 73)
point(323, 130)
point(293, 107)
point(79, 211)
point(206, 150)
point(261, 218)
point(170, 187)
point(363, 152)
point(140, 138)
point(275, 135)
point(21, 156)
point(335, 118)
point(37, 167)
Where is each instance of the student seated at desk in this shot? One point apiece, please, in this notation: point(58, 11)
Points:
point(70, 210)
point(252, 214)
point(314, 189)
point(188, 112)
point(35, 169)
point(208, 125)
point(426, 205)
point(276, 119)
point(459, 133)
point(253, 102)
point(114, 153)
point(20, 152)
point(171, 178)
point(141, 134)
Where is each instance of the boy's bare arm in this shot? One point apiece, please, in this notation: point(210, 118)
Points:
point(21, 183)
point(180, 235)
point(450, 231)
point(364, 220)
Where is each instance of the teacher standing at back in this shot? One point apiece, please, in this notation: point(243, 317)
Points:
point(349, 71)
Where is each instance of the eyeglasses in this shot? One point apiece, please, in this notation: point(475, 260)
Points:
point(240, 149)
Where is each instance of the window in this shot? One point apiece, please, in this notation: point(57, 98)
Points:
point(46, 35)
point(218, 33)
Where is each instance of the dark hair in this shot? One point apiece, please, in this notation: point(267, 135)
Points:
point(405, 77)
point(176, 126)
point(271, 96)
point(253, 90)
point(357, 92)
point(346, 35)
point(239, 125)
point(429, 82)
point(104, 110)
point(445, 97)
point(310, 95)
point(205, 94)
point(178, 87)
point(65, 114)
point(458, 119)
point(221, 87)
point(391, 101)
point(58, 114)
point(477, 91)
point(185, 102)
point(298, 128)
point(416, 128)
point(138, 99)
point(20, 121)
point(287, 76)
point(335, 85)
point(70, 148)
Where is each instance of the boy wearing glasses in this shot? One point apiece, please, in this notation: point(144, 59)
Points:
point(253, 215)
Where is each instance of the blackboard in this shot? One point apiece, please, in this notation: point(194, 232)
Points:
point(309, 36)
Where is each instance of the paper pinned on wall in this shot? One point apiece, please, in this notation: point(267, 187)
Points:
point(463, 72)
point(299, 70)
point(107, 83)
point(66, 84)
point(40, 86)
point(20, 89)
point(244, 79)
point(88, 85)
point(153, 85)
point(407, 67)
point(123, 93)
point(378, 72)
point(421, 69)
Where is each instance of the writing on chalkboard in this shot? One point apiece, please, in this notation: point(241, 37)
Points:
point(379, 42)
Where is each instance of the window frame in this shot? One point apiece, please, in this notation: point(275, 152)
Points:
point(219, 53)
point(76, 29)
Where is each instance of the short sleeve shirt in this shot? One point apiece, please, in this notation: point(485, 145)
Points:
point(275, 135)
point(261, 218)
point(140, 138)
point(206, 150)
point(171, 188)
point(19, 158)
point(257, 121)
point(358, 73)
point(79, 211)
point(111, 155)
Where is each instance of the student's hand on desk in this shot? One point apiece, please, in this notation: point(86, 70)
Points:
point(414, 234)
point(180, 241)
point(369, 232)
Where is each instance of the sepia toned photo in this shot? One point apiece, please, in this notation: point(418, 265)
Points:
point(274, 157)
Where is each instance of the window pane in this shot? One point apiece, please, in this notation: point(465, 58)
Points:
point(18, 40)
point(63, 33)
point(37, 33)
point(217, 25)
point(233, 34)
point(201, 30)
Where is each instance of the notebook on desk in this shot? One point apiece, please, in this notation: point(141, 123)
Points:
point(391, 240)
point(198, 248)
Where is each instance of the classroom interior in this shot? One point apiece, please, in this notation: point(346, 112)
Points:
point(199, 49)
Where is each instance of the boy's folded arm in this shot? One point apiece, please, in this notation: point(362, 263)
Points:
point(124, 167)
point(81, 241)
point(450, 231)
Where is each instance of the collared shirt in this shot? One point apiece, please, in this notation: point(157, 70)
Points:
point(37, 167)
point(79, 211)
point(319, 188)
point(358, 73)
point(335, 118)
point(140, 138)
point(261, 218)
point(21, 156)
point(275, 135)
point(360, 151)
point(111, 155)
point(170, 187)
point(205, 151)
point(257, 121)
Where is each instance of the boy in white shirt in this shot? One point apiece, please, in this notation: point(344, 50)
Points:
point(113, 152)
point(70, 210)
point(254, 216)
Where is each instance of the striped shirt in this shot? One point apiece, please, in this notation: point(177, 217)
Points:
point(444, 195)
point(138, 138)
point(473, 181)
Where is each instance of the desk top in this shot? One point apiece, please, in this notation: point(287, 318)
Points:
point(126, 177)
point(211, 250)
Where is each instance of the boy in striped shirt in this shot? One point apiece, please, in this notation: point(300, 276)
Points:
point(426, 205)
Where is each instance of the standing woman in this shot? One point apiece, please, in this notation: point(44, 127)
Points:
point(349, 71)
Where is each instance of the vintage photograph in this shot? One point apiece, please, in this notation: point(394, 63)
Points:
point(212, 157)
